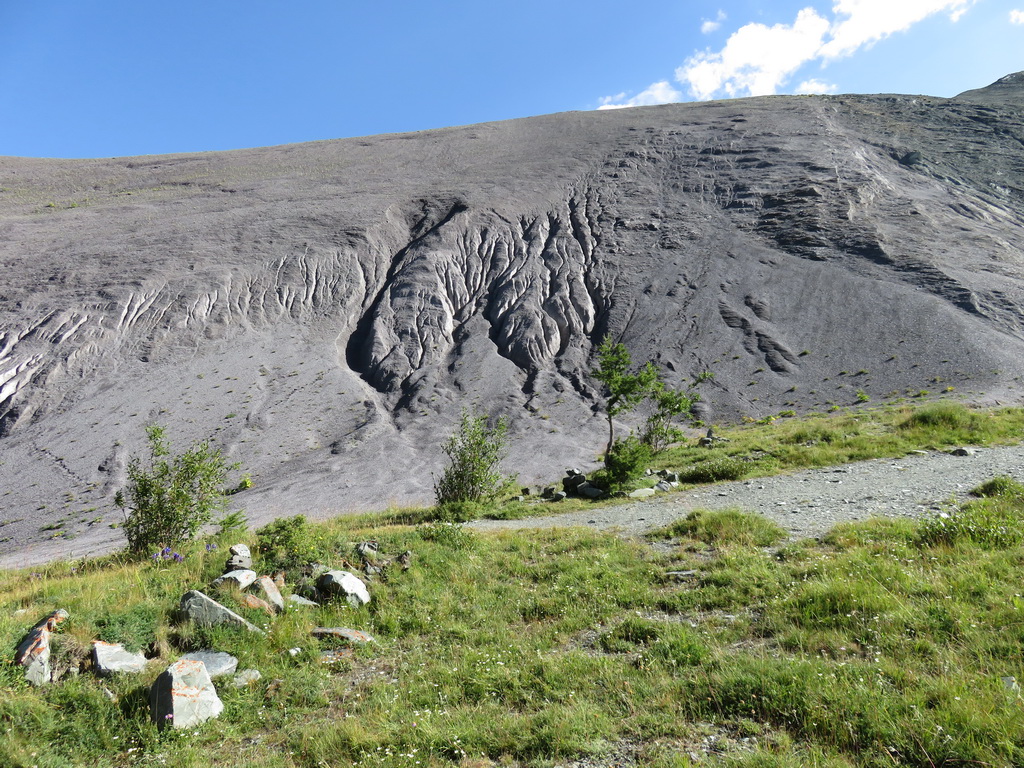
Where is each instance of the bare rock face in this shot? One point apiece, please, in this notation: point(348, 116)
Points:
point(327, 310)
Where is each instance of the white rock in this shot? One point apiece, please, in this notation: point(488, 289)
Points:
point(241, 578)
point(111, 658)
point(184, 696)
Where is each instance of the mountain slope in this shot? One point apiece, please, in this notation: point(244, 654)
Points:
point(325, 310)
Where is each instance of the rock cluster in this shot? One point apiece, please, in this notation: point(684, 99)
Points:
point(184, 694)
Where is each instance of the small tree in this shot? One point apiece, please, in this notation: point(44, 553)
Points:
point(626, 390)
point(170, 499)
point(670, 405)
point(474, 450)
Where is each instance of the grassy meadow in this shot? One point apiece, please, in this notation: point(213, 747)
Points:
point(713, 642)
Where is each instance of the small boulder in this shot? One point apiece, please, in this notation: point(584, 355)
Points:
point(571, 482)
point(246, 677)
point(240, 549)
point(353, 636)
point(963, 451)
point(257, 604)
point(271, 593)
point(183, 696)
point(663, 485)
point(217, 663)
point(589, 491)
point(300, 600)
point(111, 658)
point(241, 558)
point(204, 610)
point(34, 651)
point(367, 549)
point(344, 584)
point(241, 578)
point(558, 496)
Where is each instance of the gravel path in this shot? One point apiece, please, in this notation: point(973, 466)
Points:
point(810, 502)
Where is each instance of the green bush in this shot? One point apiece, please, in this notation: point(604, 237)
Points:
point(626, 462)
point(474, 451)
point(288, 543)
point(716, 470)
point(167, 501)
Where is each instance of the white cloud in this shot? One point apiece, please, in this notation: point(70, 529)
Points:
point(661, 92)
point(868, 21)
point(759, 60)
point(756, 59)
point(1016, 17)
point(710, 25)
point(815, 86)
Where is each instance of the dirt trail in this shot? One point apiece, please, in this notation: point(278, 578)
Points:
point(810, 502)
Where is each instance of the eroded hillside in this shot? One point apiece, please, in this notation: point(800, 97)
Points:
point(326, 310)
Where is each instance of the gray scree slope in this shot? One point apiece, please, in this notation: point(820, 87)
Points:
point(325, 310)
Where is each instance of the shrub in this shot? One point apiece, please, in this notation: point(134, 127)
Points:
point(474, 451)
point(288, 543)
point(716, 470)
point(170, 499)
point(626, 462)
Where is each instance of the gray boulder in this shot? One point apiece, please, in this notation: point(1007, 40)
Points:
point(34, 651)
point(663, 485)
point(217, 663)
point(183, 696)
point(344, 584)
point(201, 609)
point(241, 578)
point(302, 601)
point(353, 636)
point(111, 658)
point(589, 491)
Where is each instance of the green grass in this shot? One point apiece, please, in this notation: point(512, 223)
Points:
point(885, 643)
point(841, 437)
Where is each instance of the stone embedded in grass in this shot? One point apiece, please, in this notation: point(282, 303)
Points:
point(641, 493)
point(344, 584)
point(589, 491)
point(246, 677)
point(183, 696)
point(111, 658)
point(34, 651)
point(302, 601)
point(271, 593)
point(240, 578)
point(258, 604)
point(341, 633)
point(663, 486)
point(197, 607)
point(217, 663)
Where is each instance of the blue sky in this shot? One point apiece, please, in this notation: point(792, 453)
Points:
point(103, 78)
